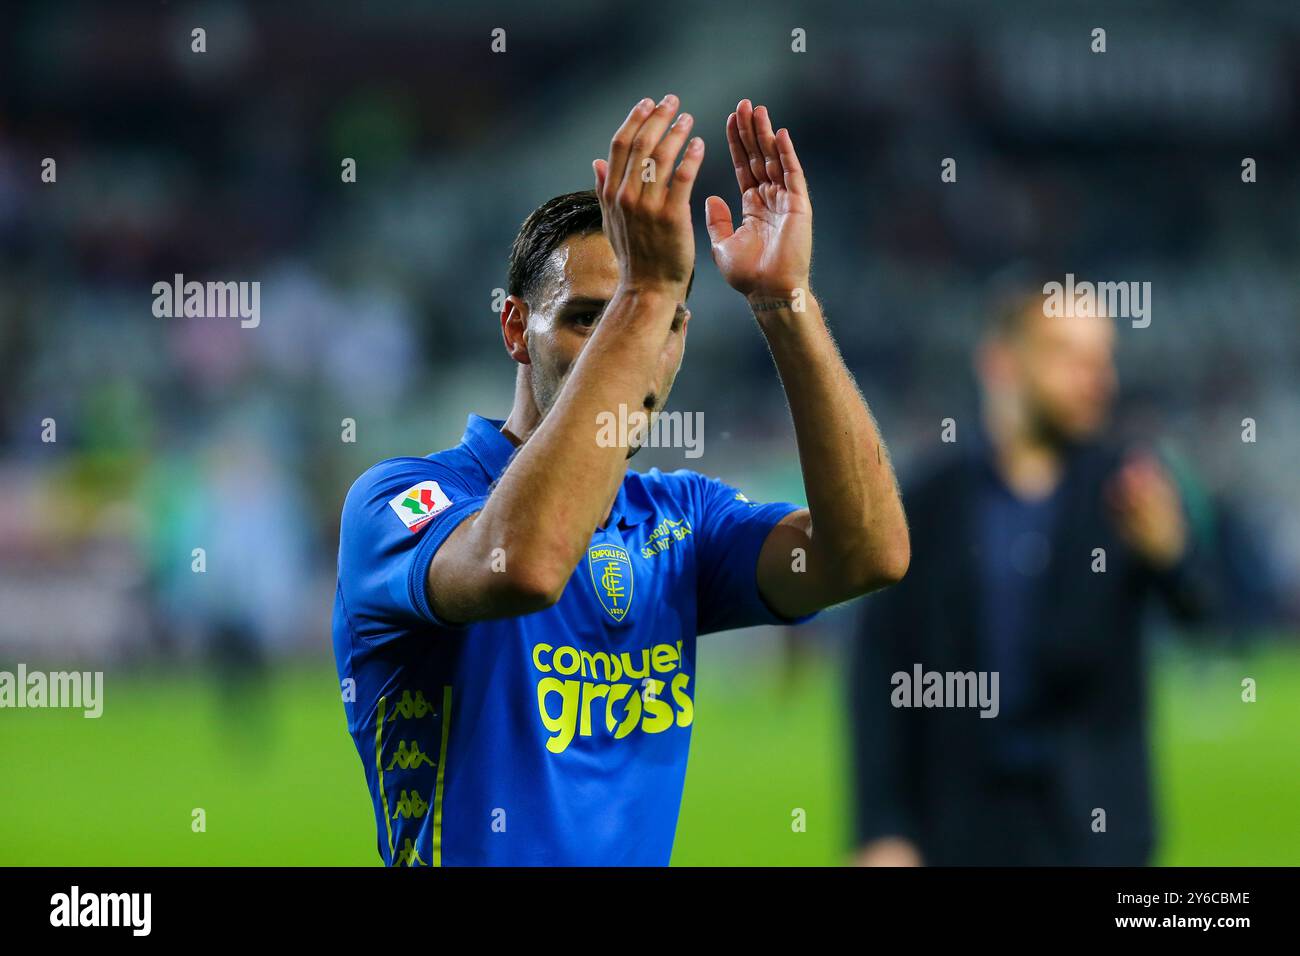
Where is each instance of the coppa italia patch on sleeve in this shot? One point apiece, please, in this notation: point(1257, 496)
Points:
point(417, 505)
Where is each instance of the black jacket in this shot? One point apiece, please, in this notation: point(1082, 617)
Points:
point(932, 775)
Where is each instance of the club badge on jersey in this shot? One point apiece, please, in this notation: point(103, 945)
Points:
point(611, 577)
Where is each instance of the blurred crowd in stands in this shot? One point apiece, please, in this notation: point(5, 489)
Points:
point(172, 435)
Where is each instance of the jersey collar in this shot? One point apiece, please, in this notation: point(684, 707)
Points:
point(494, 450)
point(631, 504)
point(485, 442)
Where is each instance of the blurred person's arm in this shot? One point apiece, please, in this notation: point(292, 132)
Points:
point(853, 534)
point(559, 486)
point(883, 756)
point(1149, 514)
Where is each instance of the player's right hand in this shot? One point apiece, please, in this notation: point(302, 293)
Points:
point(646, 202)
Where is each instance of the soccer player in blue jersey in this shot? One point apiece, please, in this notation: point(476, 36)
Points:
point(515, 618)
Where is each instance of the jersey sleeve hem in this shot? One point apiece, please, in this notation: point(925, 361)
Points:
point(433, 540)
point(778, 512)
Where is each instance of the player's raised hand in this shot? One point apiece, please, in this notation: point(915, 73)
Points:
point(771, 253)
point(1147, 507)
point(645, 201)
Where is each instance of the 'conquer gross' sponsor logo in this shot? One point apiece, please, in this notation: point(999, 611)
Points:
point(623, 686)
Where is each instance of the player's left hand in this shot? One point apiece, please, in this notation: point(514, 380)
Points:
point(771, 253)
point(1149, 512)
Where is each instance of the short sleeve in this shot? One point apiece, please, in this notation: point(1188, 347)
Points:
point(395, 518)
point(730, 531)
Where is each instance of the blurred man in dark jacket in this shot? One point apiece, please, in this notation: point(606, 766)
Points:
point(1034, 547)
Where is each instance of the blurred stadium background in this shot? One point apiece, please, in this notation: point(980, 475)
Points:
point(377, 306)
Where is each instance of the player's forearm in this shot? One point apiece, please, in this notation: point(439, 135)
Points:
point(558, 487)
point(859, 531)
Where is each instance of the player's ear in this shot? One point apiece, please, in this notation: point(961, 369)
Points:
point(514, 329)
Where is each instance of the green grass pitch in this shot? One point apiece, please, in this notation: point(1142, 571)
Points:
point(280, 783)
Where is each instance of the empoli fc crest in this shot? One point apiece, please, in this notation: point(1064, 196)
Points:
point(611, 576)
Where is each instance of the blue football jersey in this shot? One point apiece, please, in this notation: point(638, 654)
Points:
point(553, 738)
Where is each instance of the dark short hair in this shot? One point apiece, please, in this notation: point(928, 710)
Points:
point(545, 230)
point(1012, 296)
point(1010, 311)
